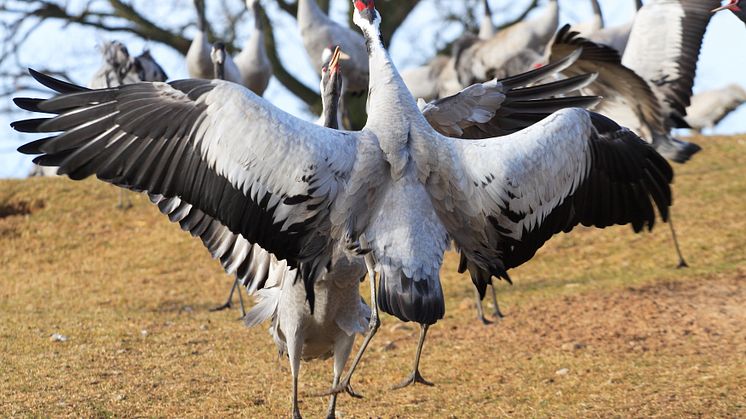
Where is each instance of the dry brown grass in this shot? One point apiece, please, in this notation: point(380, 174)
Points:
point(637, 337)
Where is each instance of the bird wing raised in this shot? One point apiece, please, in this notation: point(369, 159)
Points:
point(257, 170)
point(501, 107)
point(664, 47)
point(627, 98)
point(502, 198)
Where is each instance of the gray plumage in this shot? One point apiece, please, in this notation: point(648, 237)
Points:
point(710, 107)
point(313, 189)
point(253, 62)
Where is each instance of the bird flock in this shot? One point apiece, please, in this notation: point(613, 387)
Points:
point(519, 134)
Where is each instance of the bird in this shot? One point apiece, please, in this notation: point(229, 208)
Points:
point(614, 36)
point(736, 6)
point(116, 69)
point(395, 193)
point(510, 51)
point(148, 69)
point(339, 313)
point(253, 62)
point(710, 107)
point(318, 32)
point(199, 62)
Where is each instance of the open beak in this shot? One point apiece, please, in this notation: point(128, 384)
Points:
point(726, 6)
point(334, 63)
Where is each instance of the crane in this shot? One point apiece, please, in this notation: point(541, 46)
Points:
point(395, 193)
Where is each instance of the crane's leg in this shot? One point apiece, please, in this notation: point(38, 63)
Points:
point(497, 313)
point(682, 262)
point(122, 198)
point(228, 303)
point(295, 347)
point(480, 309)
point(373, 326)
point(415, 376)
point(240, 298)
point(342, 349)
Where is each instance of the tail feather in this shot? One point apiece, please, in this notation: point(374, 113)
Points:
point(674, 149)
point(410, 299)
point(268, 300)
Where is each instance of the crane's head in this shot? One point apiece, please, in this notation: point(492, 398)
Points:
point(331, 74)
point(732, 5)
point(366, 10)
point(218, 53)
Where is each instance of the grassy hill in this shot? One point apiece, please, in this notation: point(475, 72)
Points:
point(599, 323)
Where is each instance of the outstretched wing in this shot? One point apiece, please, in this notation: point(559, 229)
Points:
point(664, 48)
point(501, 107)
point(502, 198)
point(262, 173)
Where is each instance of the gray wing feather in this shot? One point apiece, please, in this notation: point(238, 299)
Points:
point(664, 48)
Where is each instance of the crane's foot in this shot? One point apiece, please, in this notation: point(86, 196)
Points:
point(343, 387)
point(124, 206)
point(682, 264)
point(414, 378)
point(485, 321)
point(498, 314)
point(225, 306)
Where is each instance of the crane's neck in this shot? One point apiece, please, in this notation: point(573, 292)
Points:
point(219, 69)
point(257, 12)
point(392, 111)
point(309, 13)
point(255, 43)
point(487, 28)
point(330, 113)
point(598, 15)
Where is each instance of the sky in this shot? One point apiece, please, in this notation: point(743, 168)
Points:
point(722, 60)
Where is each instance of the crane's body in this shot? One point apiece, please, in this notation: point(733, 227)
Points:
point(253, 62)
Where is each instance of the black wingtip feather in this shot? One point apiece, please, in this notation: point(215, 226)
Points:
point(28, 104)
point(57, 85)
point(28, 125)
point(33, 147)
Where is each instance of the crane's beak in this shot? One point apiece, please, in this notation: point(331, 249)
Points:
point(334, 63)
point(731, 5)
